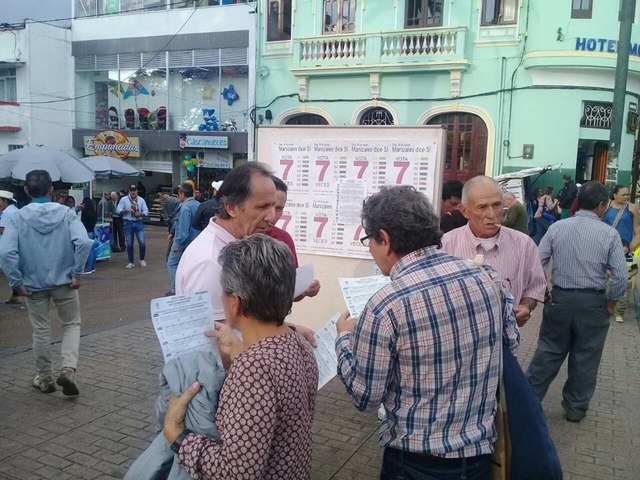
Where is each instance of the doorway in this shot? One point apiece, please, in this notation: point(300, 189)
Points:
point(591, 160)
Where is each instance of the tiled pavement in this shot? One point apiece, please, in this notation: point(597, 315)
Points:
point(97, 435)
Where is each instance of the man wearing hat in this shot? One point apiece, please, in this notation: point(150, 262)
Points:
point(133, 209)
point(8, 208)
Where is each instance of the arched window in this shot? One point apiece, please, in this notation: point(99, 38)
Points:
point(307, 119)
point(466, 154)
point(376, 116)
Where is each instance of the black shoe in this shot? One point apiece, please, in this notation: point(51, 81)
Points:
point(571, 419)
point(65, 380)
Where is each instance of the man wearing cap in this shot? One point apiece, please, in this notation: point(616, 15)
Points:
point(8, 208)
point(207, 210)
point(133, 209)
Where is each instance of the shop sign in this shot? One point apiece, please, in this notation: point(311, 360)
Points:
point(113, 143)
point(603, 45)
point(216, 160)
point(199, 141)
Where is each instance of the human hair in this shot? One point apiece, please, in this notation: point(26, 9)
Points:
point(38, 183)
point(566, 177)
point(89, 214)
point(452, 188)
point(591, 195)
point(236, 187)
point(261, 272)
point(548, 190)
point(477, 182)
point(616, 189)
point(175, 190)
point(70, 200)
point(280, 185)
point(187, 189)
point(405, 214)
point(508, 195)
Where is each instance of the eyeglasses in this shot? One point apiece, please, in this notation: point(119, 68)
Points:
point(365, 240)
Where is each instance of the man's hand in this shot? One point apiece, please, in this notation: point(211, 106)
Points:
point(307, 333)
point(311, 291)
point(75, 283)
point(611, 306)
point(523, 314)
point(22, 291)
point(345, 323)
point(229, 345)
point(176, 410)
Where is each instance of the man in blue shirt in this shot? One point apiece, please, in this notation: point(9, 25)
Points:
point(183, 231)
point(133, 209)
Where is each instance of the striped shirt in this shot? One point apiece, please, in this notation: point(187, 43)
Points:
point(514, 257)
point(426, 345)
point(583, 249)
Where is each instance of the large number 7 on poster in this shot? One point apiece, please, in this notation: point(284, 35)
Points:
point(322, 221)
point(285, 221)
point(363, 164)
point(325, 164)
point(403, 165)
point(288, 162)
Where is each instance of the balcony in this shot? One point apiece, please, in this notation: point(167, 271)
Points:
point(9, 117)
point(415, 49)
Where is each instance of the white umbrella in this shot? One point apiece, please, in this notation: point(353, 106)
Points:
point(104, 165)
point(59, 164)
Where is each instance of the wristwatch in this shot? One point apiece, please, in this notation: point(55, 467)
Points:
point(175, 446)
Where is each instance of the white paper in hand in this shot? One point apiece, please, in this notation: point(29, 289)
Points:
point(304, 277)
point(180, 322)
point(358, 291)
point(326, 351)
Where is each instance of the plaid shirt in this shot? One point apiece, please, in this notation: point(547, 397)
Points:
point(426, 345)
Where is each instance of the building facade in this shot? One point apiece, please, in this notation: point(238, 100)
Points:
point(517, 83)
point(35, 86)
point(166, 85)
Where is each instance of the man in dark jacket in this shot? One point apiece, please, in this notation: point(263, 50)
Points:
point(567, 195)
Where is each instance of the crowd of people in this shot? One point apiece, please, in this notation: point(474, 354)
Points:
point(427, 347)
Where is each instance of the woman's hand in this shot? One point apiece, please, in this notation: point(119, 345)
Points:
point(176, 410)
point(229, 345)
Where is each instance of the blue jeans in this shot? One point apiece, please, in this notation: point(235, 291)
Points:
point(137, 228)
point(91, 259)
point(400, 465)
point(172, 264)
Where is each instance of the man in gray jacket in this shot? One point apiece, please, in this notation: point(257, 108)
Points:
point(43, 252)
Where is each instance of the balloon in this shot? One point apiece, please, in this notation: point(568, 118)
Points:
point(188, 156)
point(191, 168)
point(194, 161)
point(185, 163)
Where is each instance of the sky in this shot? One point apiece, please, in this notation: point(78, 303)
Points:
point(15, 11)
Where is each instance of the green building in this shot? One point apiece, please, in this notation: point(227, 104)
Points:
point(518, 84)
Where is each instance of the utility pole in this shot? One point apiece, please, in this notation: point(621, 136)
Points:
point(626, 17)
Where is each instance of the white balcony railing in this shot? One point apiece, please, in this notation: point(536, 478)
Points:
point(333, 48)
point(410, 43)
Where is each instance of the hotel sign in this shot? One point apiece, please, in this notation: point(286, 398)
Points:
point(113, 143)
point(199, 141)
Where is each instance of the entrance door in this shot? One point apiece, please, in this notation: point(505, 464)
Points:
point(466, 154)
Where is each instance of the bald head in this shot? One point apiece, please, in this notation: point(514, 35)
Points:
point(482, 206)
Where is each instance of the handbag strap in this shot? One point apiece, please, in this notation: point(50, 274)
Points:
point(616, 220)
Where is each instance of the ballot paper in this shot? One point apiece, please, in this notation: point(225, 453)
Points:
point(358, 291)
point(326, 351)
point(180, 322)
point(304, 277)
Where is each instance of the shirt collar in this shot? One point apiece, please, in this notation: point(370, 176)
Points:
point(411, 258)
point(40, 200)
point(587, 214)
point(475, 241)
point(221, 232)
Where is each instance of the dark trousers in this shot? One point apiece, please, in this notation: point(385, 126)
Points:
point(400, 465)
point(574, 324)
point(117, 234)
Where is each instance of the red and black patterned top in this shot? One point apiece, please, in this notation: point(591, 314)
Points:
point(264, 416)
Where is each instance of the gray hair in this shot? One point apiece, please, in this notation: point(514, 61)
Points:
point(508, 195)
point(405, 214)
point(261, 272)
point(479, 182)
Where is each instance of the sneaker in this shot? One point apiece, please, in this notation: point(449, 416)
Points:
point(88, 272)
point(143, 263)
point(44, 383)
point(130, 265)
point(619, 319)
point(65, 380)
point(13, 300)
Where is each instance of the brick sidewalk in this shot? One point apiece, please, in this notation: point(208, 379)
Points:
point(99, 434)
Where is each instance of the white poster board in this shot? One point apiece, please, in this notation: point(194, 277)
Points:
point(329, 171)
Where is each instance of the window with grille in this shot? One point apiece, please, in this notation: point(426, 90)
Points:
point(339, 16)
point(423, 13)
point(581, 8)
point(596, 115)
point(499, 12)
point(307, 119)
point(8, 91)
point(279, 20)
point(376, 116)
